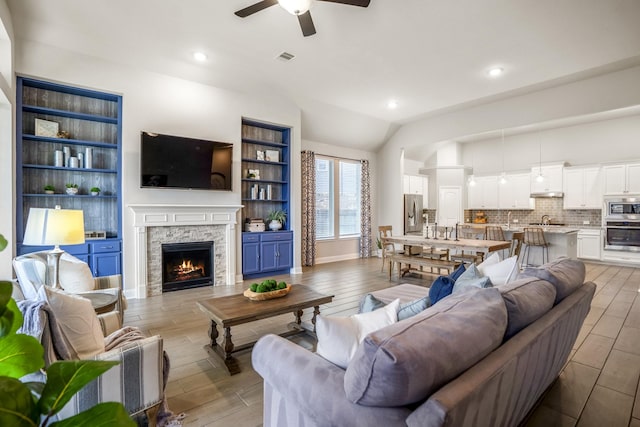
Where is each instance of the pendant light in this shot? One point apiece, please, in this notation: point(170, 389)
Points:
point(503, 176)
point(540, 178)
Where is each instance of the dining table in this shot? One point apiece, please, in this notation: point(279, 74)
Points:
point(476, 245)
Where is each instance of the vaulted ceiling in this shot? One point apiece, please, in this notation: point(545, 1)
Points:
point(429, 56)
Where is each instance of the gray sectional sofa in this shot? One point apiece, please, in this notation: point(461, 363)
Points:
point(479, 358)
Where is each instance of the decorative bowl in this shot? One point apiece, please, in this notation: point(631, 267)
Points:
point(72, 191)
point(262, 296)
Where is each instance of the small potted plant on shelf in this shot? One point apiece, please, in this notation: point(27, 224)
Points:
point(277, 219)
point(49, 189)
point(95, 191)
point(72, 189)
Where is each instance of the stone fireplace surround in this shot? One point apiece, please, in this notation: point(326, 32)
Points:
point(162, 223)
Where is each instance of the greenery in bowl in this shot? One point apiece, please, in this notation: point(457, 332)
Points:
point(34, 403)
point(278, 215)
point(95, 189)
point(70, 185)
point(268, 285)
point(49, 188)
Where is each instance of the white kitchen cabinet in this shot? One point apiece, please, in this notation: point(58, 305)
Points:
point(483, 195)
point(582, 188)
point(552, 182)
point(621, 179)
point(589, 244)
point(416, 184)
point(514, 194)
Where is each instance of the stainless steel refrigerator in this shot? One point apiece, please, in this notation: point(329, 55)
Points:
point(413, 213)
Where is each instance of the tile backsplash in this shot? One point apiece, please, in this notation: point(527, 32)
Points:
point(552, 207)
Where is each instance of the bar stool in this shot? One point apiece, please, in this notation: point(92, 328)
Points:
point(494, 232)
point(534, 236)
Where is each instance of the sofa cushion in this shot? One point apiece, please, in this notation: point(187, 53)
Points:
point(339, 337)
point(78, 323)
point(370, 303)
point(405, 310)
point(410, 309)
point(405, 362)
point(472, 278)
point(526, 299)
point(564, 273)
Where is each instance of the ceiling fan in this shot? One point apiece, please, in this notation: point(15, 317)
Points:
point(300, 8)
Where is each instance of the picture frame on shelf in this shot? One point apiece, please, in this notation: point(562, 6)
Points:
point(272, 156)
point(253, 174)
point(259, 155)
point(46, 128)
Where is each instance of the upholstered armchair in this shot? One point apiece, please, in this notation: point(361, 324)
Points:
point(68, 329)
point(75, 278)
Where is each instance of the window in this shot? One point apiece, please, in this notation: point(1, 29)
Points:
point(337, 198)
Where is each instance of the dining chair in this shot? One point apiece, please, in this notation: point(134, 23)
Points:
point(388, 248)
point(467, 233)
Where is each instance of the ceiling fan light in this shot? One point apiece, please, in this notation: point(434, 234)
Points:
point(295, 7)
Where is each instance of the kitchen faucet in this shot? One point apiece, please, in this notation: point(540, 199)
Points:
point(545, 219)
point(508, 219)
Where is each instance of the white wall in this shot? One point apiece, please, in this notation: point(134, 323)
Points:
point(7, 100)
point(597, 94)
point(164, 104)
point(341, 249)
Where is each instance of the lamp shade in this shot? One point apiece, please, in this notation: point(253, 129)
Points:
point(295, 7)
point(54, 227)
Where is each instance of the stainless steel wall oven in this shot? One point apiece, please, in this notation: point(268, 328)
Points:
point(622, 223)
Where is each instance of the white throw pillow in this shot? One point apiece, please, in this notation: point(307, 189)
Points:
point(494, 258)
point(77, 321)
point(75, 275)
point(503, 272)
point(339, 337)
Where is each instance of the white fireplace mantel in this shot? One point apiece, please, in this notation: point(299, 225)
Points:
point(166, 215)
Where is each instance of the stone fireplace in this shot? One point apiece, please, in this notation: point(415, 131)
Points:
point(158, 225)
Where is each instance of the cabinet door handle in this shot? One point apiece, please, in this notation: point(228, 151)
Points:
point(106, 247)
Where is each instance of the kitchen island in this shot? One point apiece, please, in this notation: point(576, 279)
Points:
point(562, 240)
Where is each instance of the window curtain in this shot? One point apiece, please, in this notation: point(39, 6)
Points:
point(308, 208)
point(365, 210)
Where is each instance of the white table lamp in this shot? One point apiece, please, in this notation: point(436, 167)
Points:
point(54, 227)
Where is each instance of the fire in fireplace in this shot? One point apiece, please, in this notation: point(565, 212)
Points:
point(187, 265)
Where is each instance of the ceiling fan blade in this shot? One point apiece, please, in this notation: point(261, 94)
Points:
point(306, 24)
point(361, 3)
point(243, 13)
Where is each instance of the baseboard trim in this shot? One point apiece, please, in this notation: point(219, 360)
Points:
point(329, 259)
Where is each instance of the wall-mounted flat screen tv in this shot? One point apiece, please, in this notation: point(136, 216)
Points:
point(177, 162)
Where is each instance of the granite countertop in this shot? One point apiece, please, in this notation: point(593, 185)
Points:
point(553, 229)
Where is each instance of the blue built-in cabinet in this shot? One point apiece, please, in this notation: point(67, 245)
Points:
point(53, 118)
point(265, 188)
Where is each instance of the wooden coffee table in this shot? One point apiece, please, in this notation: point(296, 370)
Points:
point(235, 310)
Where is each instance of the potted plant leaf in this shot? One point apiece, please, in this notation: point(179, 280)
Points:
point(277, 219)
point(49, 189)
point(95, 191)
point(35, 403)
point(72, 189)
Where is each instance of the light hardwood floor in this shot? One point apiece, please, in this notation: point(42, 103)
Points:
point(598, 387)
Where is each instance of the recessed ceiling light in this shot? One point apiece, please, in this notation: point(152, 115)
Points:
point(392, 104)
point(199, 56)
point(496, 72)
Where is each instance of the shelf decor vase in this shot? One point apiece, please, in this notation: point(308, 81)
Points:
point(95, 193)
point(72, 191)
point(275, 225)
point(48, 191)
